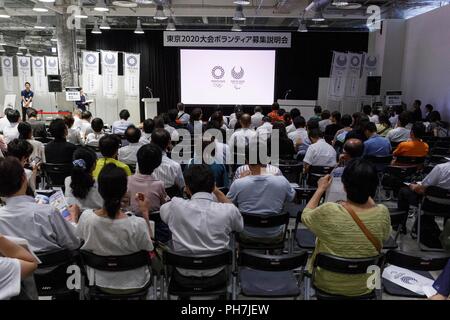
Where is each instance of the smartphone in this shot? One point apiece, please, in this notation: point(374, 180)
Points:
point(35, 161)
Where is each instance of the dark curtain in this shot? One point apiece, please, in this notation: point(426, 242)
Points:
point(297, 68)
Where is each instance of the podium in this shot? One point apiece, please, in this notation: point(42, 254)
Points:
point(306, 107)
point(151, 107)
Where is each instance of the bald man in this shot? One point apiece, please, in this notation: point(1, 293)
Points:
point(353, 148)
point(242, 137)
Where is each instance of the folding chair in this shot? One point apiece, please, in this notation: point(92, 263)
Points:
point(381, 164)
point(115, 264)
point(55, 174)
point(263, 222)
point(189, 286)
point(304, 238)
point(270, 276)
point(421, 264)
point(292, 170)
point(348, 266)
point(51, 275)
point(315, 173)
point(436, 203)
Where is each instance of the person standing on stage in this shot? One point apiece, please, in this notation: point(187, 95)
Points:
point(83, 101)
point(27, 100)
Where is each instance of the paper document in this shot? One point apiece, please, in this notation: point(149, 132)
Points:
point(408, 279)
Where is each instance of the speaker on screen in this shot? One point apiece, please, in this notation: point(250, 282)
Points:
point(54, 83)
point(373, 86)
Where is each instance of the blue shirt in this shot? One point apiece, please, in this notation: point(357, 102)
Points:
point(377, 146)
point(27, 95)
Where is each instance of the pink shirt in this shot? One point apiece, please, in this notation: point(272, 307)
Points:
point(152, 188)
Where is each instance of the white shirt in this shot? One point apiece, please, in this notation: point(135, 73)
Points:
point(241, 138)
point(257, 120)
point(375, 119)
point(323, 124)
point(183, 117)
point(222, 152)
point(3, 123)
point(85, 128)
point(398, 134)
point(9, 278)
point(169, 172)
point(74, 136)
point(320, 154)
point(299, 133)
point(145, 138)
point(38, 149)
point(77, 123)
point(201, 225)
point(10, 132)
point(269, 170)
point(128, 154)
point(439, 177)
point(174, 136)
point(393, 120)
point(93, 138)
point(93, 199)
point(106, 237)
point(265, 130)
point(120, 126)
point(290, 128)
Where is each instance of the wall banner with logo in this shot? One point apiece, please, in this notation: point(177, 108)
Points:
point(227, 39)
point(371, 67)
point(110, 73)
point(24, 70)
point(90, 72)
point(52, 66)
point(131, 72)
point(353, 74)
point(8, 74)
point(338, 75)
point(39, 80)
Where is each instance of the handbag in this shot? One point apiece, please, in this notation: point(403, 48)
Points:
point(376, 243)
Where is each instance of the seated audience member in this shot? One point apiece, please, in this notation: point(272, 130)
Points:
point(375, 145)
point(264, 131)
point(435, 126)
point(346, 122)
point(207, 224)
point(257, 192)
point(414, 147)
point(294, 113)
point(334, 126)
point(77, 119)
point(217, 117)
point(208, 156)
point(172, 116)
point(174, 136)
point(428, 109)
point(59, 150)
point(394, 118)
point(148, 127)
point(109, 231)
point(339, 235)
point(317, 114)
point(257, 117)
point(287, 121)
point(416, 113)
point(4, 120)
point(319, 153)
point(384, 125)
point(324, 120)
point(217, 114)
point(16, 264)
point(119, 126)
point(367, 110)
point(109, 148)
point(81, 187)
point(26, 133)
point(286, 147)
point(85, 124)
point(169, 171)
point(73, 135)
point(38, 126)
point(274, 114)
point(22, 150)
point(182, 117)
point(300, 137)
point(400, 133)
point(234, 119)
point(359, 123)
point(94, 137)
point(442, 285)
point(128, 153)
point(195, 125)
point(352, 149)
point(10, 131)
point(221, 150)
point(242, 136)
point(42, 225)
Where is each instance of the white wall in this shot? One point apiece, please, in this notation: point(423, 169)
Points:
point(426, 63)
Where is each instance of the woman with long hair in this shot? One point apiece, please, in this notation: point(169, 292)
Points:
point(384, 125)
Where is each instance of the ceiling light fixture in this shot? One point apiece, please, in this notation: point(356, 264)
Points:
point(339, 3)
point(2, 50)
point(318, 17)
point(139, 29)
point(159, 14)
point(2, 40)
point(96, 29)
point(101, 6)
point(39, 25)
point(171, 25)
point(239, 14)
point(242, 2)
point(104, 25)
point(81, 14)
point(39, 7)
point(3, 13)
point(302, 26)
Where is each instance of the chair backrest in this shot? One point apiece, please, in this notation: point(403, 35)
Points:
point(401, 172)
point(265, 221)
point(198, 262)
point(398, 218)
point(346, 265)
point(174, 191)
point(436, 201)
point(379, 160)
point(416, 262)
point(55, 258)
point(264, 262)
point(291, 172)
point(315, 173)
point(410, 160)
point(55, 174)
point(115, 263)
